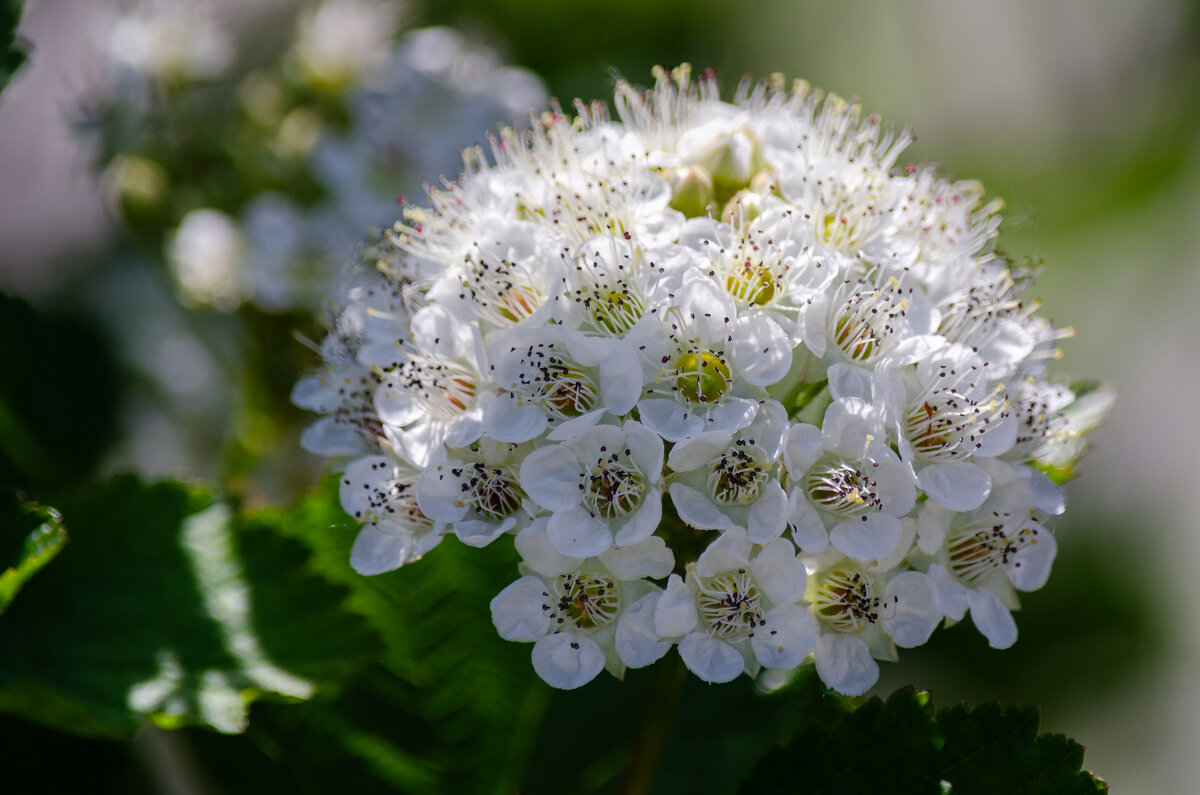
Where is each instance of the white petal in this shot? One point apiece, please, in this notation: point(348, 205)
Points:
point(1047, 496)
point(517, 610)
point(768, 515)
point(958, 485)
point(649, 558)
point(844, 664)
point(576, 426)
point(1029, 568)
point(932, 525)
point(867, 538)
point(551, 477)
point(671, 420)
point(437, 492)
point(786, 637)
point(620, 380)
point(645, 448)
point(696, 510)
point(804, 446)
point(951, 594)
point(698, 450)
point(505, 419)
point(316, 393)
point(479, 533)
point(730, 552)
point(534, 547)
point(644, 521)
point(846, 380)
point(808, 531)
point(577, 533)
point(710, 659)
point(567, 660)
point(760, 350)
point(915, 614)
point(992, 618)
point(637, 642)
point(779, 573)
point(376, 551)
point(327, 436)
point(675, 614)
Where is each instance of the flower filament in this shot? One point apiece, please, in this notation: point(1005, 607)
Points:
point(737, 476)
point(846, 600)
point(588, 600)
point(442, 387)
point(490, 492)
point(613, 488)
point(867, 320)
point(980, 548)
point(730, 605)
point(841, 487)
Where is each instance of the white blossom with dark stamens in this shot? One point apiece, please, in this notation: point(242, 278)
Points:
point(738, 611)
point(847, 487)
point(582, 614)
point(379, 492)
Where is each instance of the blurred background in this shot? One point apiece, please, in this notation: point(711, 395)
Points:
point(165, 166)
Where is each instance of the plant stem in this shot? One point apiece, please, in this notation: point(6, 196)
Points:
point(651, 736)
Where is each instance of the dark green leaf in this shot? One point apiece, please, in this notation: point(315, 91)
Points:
point(58, 397)
point(995, 750)
point(903, 746)
point(13, 49)
point(43, 537)
point(164, 606)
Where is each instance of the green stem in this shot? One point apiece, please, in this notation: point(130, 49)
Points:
point(651, 736)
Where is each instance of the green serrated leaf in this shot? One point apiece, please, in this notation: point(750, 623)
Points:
point(903, 746)
point(996, 750)
point(42, 543)
point(165, 606)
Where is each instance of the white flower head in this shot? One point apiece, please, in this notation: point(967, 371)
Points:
point(743, 304)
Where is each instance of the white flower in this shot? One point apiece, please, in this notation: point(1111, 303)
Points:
point(731, 479)
point(436, 395)
point(603, 487)
point(712, 364)
point(553, 376)
point(992, 551)
point(848, 487)
point(378, 492)
point(862, 618)
point(475, 491)
point(738, 612)
point(582, 614)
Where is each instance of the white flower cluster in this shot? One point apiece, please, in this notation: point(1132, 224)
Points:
point(733, 384)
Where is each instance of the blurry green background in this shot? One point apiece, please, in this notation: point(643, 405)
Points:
point(1083, 115)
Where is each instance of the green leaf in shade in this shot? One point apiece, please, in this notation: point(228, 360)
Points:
point(58, 396)
point(903, 746)
point(13, 48)
point(996, 750)
point(44, 540)
point(166, 606)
